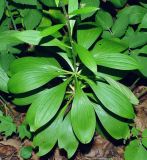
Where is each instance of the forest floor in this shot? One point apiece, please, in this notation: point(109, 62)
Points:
point(98, 149)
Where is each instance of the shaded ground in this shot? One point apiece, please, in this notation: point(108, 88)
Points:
point(99, 149)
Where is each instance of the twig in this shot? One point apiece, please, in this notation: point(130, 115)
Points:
point(5, 104)
point(132, 87)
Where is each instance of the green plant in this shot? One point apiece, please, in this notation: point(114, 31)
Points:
point(137, 147)
point(75, 87)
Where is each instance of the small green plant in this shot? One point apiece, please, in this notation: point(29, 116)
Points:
point(74, 88)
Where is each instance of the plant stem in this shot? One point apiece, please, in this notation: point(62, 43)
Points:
point(70, 34)
point(5, 105)
point(11, 16)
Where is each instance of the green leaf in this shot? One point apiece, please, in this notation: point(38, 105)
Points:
point(144, 138)
point(72, 5)
point(144, 22)
point(57, 15)
point(32, 18)
point(6, 59)
point(45, 22)
point(118, 3)
point(84, 10)
point(118, 130)
point(7, 39)
point(68, 61)
point(23, 132)
point(135, 13)
point(104, 19)
point(49, 3)
point(143, 49)
point(122, 88)
point(56, 43)
point(137, 39)
point(44, 108)
point(86, 57)
point(83, 125)
point(47, 138)
point(67, 139)
point(57, 2)
point(26, 152)
point(135, 132)
point(28, 63)
point(25, 99)
point(51, 30)
point(116, 103)
point(117, 61)
point(135, 151)
point(141, 59)
point(3, 80)
point(7, 126)
point(87, 3)
point(109, 46)
point(120, 26)
point(87, 36)
point(29, 36)
point(2, 8)
point(31, 79)
point(30, 2)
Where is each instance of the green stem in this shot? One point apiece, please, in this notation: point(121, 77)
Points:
point(70, 34)
point(11, 16)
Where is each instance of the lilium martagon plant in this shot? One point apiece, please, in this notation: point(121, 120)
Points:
point(69, 111)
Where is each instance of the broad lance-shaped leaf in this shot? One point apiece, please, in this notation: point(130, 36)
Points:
point(44, 108)
point(32, 18)
point(66, 58)
point(2, 8)
point(87, 3)
point(72, 5)
point(113, 99)
point(108, 46)
point(82, 116)
point(117, 61)
point(84, 10)
point(31, 79)
point(51, 30)
point(27, 63)
point(120, 26)
point(104, 19)
point(143, 49)
point(56, 43)
point(144, 22)
point(86, 37)
point(67, 139)
point(116, 128)
point(86, 57)
point(122, 88)
point(29, 36)
point(26, 99)
point(135, 13)
point(47, 138)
